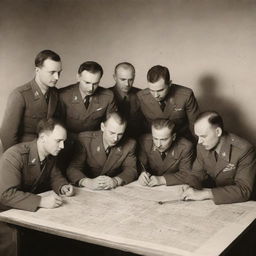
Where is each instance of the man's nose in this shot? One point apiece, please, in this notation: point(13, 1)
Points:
point(61, 144)
point(56, 75)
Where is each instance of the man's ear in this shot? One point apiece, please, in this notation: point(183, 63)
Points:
point(102, 126)
point(114, 76)
point(41, 136)
point(218, 131)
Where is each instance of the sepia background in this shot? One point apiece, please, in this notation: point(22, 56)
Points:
point(208, 45)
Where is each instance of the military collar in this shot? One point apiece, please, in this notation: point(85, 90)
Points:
point(37, 93)
point(170, 151)
point(33, 158)
point(224, 151)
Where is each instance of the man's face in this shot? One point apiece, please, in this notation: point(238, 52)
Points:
point(54, 140)
point(208, 135)
point(112, 132)
point(158, 89)
point(89, 82)
point(162, 138)
point(124, 78)
point(49, 73)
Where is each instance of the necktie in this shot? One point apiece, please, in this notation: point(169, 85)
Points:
point(87, 101)
point(126, 105)
point(43, 163)
point(46, 96)
point(163, 155)
point(107, 150)
point(162, 105)
point(216, 155)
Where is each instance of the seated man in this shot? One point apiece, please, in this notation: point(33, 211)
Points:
point(104, 159)
point(164, 159)
point(226, 160)
point(27, 169)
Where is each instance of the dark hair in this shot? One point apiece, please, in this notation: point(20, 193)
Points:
point(92, 67)
point(125, 65)
point(44, 55)
point(213, 118)
point(158, 72)
point(162, 123)
point(120, 119)
point(48, 125)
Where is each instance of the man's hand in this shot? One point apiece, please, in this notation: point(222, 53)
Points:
point(51, 201)
point(144, 178)
point(196, 195)
point(99, 183)
point(67, 190)
point(156, 181)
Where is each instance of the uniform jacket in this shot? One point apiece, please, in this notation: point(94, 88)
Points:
point(21, 177)
point(233, 172)
point(181, 108)
point(91, 160)
point(177, 164)
point(77, 117)
point(26, 106)
point(130, 109)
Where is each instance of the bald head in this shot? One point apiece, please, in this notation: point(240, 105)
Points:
point(124, 76)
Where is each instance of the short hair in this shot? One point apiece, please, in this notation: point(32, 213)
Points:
point(119, 118)
point(213, 118)
point(44, 55)
point(48, 125)
point(125, 65)
point(158, 72)
point(162, 123)
point(92, 67)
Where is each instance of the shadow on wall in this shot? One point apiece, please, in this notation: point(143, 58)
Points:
point(211, 99)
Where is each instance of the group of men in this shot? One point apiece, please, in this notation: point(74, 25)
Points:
point(115, 136)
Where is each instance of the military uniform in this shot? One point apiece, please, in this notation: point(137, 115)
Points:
point(176, 165)
point(92, 161)
point(26, 106)
point(129, 107)
point(77, 117)
point(181, 107)
point(21, 178)
point(233, 172)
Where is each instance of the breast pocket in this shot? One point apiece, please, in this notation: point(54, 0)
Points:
point(72, 114)
point(98, 113)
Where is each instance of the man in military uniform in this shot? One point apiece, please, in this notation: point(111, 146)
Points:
point(27, 169)
point(30, 103)
point(226, 160)
point(86, 104)
point(126, 97)
point(163, 99)
point(164, 159)
point(105, 159)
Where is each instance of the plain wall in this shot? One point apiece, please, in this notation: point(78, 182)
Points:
point(209, 46)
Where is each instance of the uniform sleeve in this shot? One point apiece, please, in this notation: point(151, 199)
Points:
point(11, 195)
point(75, 169)
point(185, 166)
point(57, 179)
point(192, 110)
point(241, 190)
point(129, 168)
point(12, 118)
point(142, 158)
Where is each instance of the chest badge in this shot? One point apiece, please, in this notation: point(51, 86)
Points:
point(229, 167)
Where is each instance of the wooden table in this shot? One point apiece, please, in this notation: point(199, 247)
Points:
point(130, 219)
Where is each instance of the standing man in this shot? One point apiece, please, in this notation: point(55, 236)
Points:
point(163, 99)
point(225, 159)
point(30, 103)
point(27, 169)
point(86, 104)
point(105, 158)
point(165, 159)
point(126, 97)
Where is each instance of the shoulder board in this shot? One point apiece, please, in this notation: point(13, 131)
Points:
point(239, 142)
point(182, 89)
point(104, 91)
point(143, 92)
